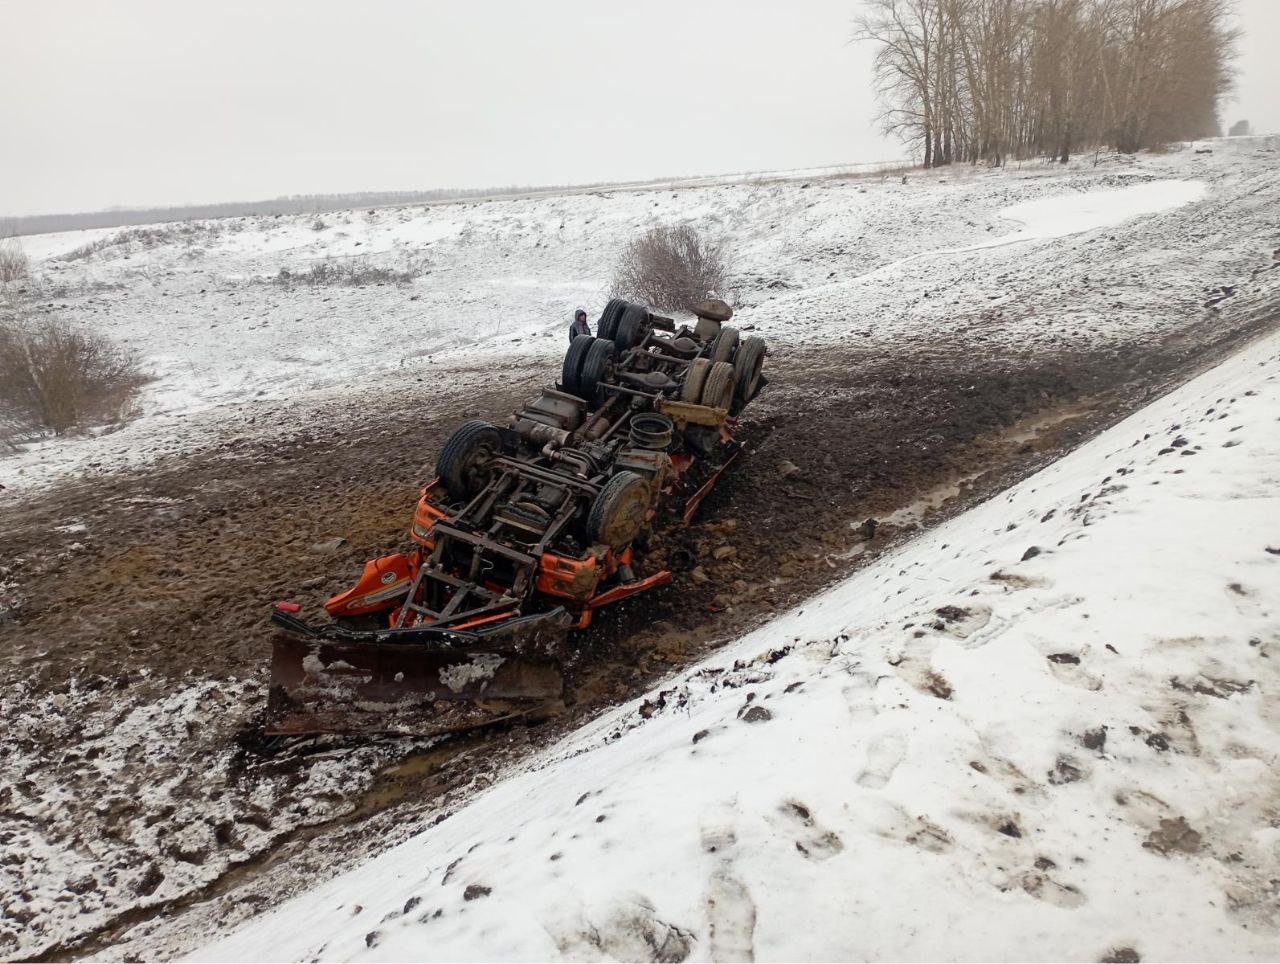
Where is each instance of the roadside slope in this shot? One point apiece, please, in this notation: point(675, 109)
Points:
point(1045, 729)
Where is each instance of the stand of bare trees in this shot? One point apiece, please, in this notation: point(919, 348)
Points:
point(983, 80)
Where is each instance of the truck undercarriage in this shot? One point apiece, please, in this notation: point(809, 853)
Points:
point(525, 532)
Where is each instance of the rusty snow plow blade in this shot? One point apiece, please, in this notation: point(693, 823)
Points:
point(421, 681)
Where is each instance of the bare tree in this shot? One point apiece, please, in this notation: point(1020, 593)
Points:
point(982, 80)
point(903, 31)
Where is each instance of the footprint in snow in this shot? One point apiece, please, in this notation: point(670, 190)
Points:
point(1067, 668)
point(1043, 887)
point(812, 839)
point(719, 835)
point(1141, 808)
point(632, 931)
point(930, 837)
point(918, 673)
point(884, 753)
point(963, 623)
point(731, 918)
point(1067, 769)
point(1013, 581)
point(1121, 955)
point(1007, 773)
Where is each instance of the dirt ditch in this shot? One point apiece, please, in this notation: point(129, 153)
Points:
point(135, 652)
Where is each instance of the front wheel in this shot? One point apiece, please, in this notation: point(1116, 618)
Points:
point(618, 512)
point(465, 463)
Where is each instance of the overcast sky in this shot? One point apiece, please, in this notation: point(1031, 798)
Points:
point(142, 103)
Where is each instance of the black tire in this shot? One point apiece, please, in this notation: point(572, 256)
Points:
point(718, 390)
point(618, 513)
point(691, 390)
point(595, 367)
point(464, 462)
point(571, 373)
point(748, 365)
point(724, 345)
point(607, 326)
point(633, 325)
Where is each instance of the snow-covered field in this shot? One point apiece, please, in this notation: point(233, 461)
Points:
point(1045, 256)
point(1044, 730)
point(939, 754)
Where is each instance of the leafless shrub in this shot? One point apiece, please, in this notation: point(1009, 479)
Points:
point(351, 271)
point(57, 378)
point(14, 263)
point(670, 267)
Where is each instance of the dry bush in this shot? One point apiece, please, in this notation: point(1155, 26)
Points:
point(14, 263)
point(87, 250)
point(353, 271)
point(56, 378)
point(670, 267)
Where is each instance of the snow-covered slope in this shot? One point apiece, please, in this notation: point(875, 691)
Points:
point(1047, 729)
point(1041, 255)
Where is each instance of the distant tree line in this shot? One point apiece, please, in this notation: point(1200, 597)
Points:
point(983, 80)
point(292, 204)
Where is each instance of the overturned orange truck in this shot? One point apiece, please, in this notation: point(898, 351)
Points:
point(525, 532)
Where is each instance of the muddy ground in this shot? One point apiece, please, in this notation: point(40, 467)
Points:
point(134, 637)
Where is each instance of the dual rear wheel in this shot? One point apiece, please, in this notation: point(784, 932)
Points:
point(624, 323)
point(586, 365)
point(727, 378)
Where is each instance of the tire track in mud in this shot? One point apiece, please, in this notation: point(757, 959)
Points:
point(841, 437)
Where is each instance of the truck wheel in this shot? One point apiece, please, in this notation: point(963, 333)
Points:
point(465, 462)
point(595, 367)
point(618, 513)
point(691, 390)
point(724, 345)
point(631, 327)
point(718, 390)
point(747, 367)
point(607, 326)
point(571, 372)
